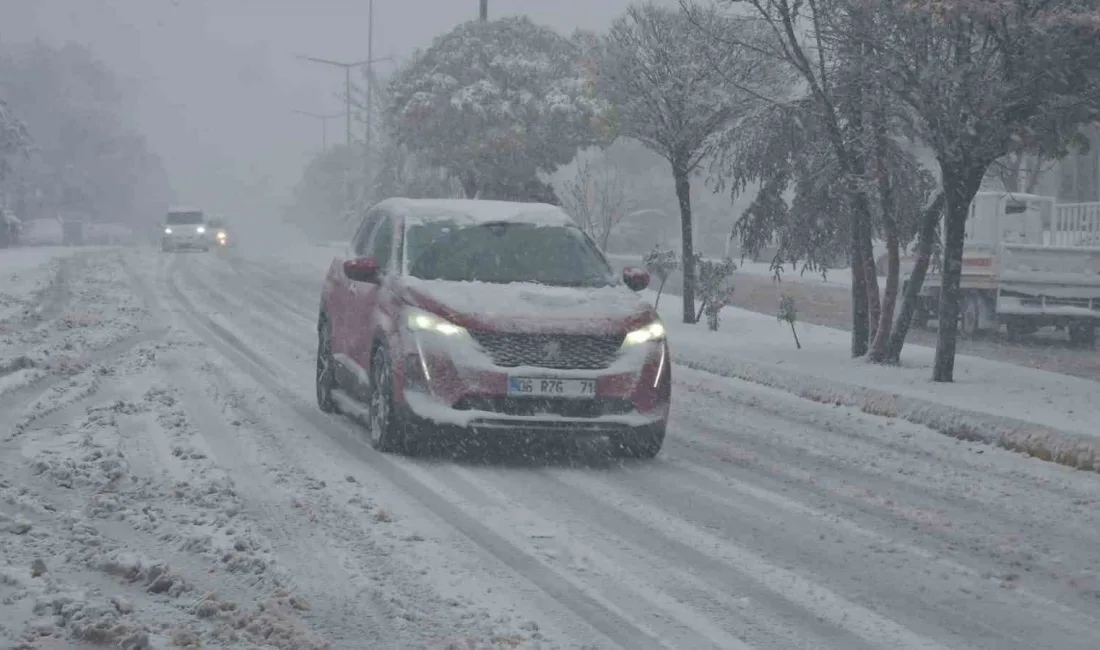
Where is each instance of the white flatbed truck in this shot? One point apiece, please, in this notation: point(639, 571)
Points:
point(1028, 263)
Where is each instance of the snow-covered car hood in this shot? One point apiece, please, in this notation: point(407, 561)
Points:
point(531, 307)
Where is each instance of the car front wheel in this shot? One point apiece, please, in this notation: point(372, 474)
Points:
point(386, 427)
point(326, 369)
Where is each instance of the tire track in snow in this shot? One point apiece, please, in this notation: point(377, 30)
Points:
point(301, 546)
point(926, 500)
point(610, 624)
point(557, 501)
point(22, 408)
point(451, 490)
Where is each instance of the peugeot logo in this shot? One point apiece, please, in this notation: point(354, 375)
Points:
point(551, 351)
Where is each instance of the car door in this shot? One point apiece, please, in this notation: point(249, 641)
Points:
point(367, 295)
point(346, 293)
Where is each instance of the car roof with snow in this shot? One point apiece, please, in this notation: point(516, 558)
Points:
point(478, 211)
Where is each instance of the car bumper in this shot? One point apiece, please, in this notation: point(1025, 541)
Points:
point(197, 241)
point(630, 397)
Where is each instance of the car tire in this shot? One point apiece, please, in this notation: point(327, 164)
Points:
point(385, 425)
point(326, 369)
point(642, 444)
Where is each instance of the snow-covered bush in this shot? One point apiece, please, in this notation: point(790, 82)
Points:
point(713, 288)
point(661, 262)
point(789, 314)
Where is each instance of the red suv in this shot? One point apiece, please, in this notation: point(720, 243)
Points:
point(493, 318)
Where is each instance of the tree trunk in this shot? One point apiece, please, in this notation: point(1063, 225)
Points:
point(890, 225)
point(960, 183)
point(861, 332)
point(925, 241)
point(870, 274)
point(687, 248)
point(1010, 171)
point(469, 185)
point(889, 298)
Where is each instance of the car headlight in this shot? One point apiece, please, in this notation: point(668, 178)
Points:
point(168, 231)
point(419, 320)
point(655, 331)
point(200, 230)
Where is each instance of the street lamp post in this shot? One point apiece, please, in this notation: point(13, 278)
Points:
point(347, 67)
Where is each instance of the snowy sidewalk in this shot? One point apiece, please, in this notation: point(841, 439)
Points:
point(1047, 414)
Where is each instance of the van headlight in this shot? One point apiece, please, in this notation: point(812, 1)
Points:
point(418, 320)
point(168, 231)
point(655, 331)
point(200, 230)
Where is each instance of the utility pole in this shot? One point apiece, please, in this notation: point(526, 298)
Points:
point(484, 15)
point(370, 91)
point(324, 124)
point(347, 67)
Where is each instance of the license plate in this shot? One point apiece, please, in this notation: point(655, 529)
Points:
point(541, 387)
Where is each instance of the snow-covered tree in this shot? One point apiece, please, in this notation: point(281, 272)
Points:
point(595, 196)
point(319, 199)
point(831, 72)
point(673, 88)
point(496, 103)
point(979, 76)
point(85, 157)
point(14, 138)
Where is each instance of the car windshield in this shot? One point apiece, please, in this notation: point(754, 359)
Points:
point(184, 218)
point(502, 253)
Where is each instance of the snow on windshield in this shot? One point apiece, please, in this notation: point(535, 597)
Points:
point(184, 218)
point(501, 253)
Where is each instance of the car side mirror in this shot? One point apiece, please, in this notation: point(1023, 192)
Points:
point(636, 279)
point(362, 269)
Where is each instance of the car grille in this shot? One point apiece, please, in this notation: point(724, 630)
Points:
point(533, 407)
point(560, 352)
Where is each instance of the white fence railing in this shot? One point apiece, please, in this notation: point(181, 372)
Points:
point(1075, 224)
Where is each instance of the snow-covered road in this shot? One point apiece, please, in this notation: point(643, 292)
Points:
point(177, 483)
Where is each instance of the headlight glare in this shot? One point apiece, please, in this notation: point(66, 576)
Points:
point(655, 331)
point(168, 231)
point(200, 230)
point(422, 321)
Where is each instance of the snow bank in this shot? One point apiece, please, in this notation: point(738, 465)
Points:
point(1047, 415)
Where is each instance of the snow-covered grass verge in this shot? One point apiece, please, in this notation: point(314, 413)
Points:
point(1046, 415)
point(834, 277)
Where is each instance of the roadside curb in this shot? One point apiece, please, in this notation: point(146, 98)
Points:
point(1062, 447)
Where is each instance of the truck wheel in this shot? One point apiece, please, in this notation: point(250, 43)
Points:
point(970, 318)
point(1082, 334)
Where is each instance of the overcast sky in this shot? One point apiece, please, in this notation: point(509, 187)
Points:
point(218, 78)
